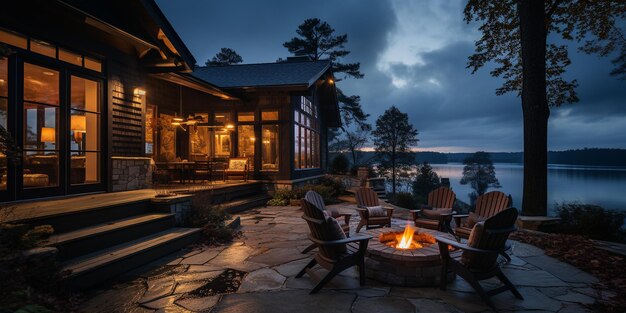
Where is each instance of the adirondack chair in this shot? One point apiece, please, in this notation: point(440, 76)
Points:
point(487, 205)
point(336, 252)
point(318, 202)
point(479, 259)
point(367, 197)
point(428, 217)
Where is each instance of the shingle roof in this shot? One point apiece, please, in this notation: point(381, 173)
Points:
point(263, 74)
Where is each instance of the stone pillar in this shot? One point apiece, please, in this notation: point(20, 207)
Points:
point(130, 173)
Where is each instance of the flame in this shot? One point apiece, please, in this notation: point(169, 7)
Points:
point(407, 238)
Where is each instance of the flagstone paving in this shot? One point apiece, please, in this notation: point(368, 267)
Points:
point(260, 269)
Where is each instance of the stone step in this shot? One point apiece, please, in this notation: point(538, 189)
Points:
point(97, 267)
point(100, 236)
point(247, 203)
point(72, 220)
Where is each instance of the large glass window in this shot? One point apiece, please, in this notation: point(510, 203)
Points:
point(199, 140)
point(41, 133)
point(4, 93)
point(270, 147)
point(246, 140)
point(222, 141)
point(150, 129)
point(85, 131)
point(307, 135)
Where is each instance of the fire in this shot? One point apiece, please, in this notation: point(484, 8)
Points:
point(407, 238)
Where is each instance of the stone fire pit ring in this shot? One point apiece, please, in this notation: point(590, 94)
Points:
point(411, 267)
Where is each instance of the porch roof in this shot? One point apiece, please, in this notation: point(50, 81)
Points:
point(303, 74)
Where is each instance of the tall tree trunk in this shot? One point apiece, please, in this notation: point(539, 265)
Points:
point(393, 172)
point(534, 107)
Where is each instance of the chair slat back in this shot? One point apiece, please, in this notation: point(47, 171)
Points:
point(494, 236)
point(315, 199)
point(318, 228)
point(442, 197)
point(491, 203)
point(366, 197)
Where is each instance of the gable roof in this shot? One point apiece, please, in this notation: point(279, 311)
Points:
point(304, 73)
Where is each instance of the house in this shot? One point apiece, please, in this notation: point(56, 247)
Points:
point(97, 92)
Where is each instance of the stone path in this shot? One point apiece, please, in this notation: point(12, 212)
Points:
point(262, 265)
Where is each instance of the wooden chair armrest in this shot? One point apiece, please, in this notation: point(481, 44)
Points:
point(463, 246)
point(415, 214)
point(364, 213)
point(346, 217)
point(359, 238)
point(389, 211)
point(458, 217)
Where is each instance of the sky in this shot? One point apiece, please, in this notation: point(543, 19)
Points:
point(414, 56)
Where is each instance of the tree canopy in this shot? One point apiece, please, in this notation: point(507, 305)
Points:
point(479, 173)
point(226, 56)
point(316, 39)
point(527, 42)
point(426, 180)
point(592, 24)
point(393, 138)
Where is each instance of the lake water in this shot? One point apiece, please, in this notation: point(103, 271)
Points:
point(604, 186)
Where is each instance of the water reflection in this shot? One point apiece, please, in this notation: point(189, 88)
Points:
point(604, 186)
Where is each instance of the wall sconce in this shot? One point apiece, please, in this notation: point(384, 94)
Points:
point(48, 134)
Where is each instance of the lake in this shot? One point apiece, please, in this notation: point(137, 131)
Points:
point(604, 186)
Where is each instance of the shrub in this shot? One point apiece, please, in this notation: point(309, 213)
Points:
point(340, 164)
point(592, 221)
point(335, 184)
point(328, 187)
point(404, 200)
point(280, 198)
point(211, 218)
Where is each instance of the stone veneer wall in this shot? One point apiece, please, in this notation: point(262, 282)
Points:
point(130, 173)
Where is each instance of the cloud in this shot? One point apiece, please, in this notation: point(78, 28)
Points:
point(413, 54)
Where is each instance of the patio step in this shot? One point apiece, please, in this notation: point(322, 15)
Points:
point(89, 239)
point(231, 193)
point(250, 202)
point(72, 220)
point(97, 267)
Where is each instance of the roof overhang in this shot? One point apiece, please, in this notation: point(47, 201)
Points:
point(189, 81)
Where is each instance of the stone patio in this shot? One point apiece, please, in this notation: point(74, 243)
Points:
point(263, 263)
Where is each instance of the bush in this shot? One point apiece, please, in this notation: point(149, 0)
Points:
point(592, 221)
point(329, 188)
point(340, 164)
point(404, 200)
point(211, 218)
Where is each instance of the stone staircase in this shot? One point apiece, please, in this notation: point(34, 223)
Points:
point(98, 243)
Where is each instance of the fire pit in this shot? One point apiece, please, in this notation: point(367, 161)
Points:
point(408, 257)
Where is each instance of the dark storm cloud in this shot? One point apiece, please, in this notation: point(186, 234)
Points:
point(257, 29)
point(413, 55)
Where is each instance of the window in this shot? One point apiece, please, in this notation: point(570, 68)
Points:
point(270, 147)
point(199, 139)
point(41, 133)
point(245, 117)
point(269, 115)
point(306, 136)
point(85, 131)
point(13, 39)
point(70, 57)
point(43, 48)
point(4, 93)
point(93, 64)
point(246, 142)
point(222, 142)
point(150, 127)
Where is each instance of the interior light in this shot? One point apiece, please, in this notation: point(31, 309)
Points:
point(219, 116)
point(139, 92)
point(230, 126)
point(48, 73)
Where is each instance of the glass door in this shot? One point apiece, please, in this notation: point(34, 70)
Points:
point(40, 133)
point(84, 131)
